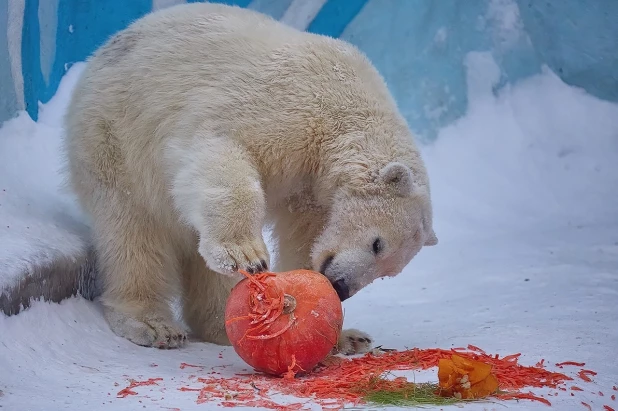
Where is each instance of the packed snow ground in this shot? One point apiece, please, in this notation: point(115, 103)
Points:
point(526, 211)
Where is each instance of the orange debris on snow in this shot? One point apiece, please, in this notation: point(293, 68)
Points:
point(578, 364)
point(337, 382)
point(133, 384)
point(583, 374)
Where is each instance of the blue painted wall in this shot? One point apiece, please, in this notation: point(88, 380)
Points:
point(8, 99)
point(80, 27)
point(578, 40)
point(419, 45)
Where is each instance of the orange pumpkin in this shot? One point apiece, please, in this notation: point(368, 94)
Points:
point(465, 378)
point(283, 323)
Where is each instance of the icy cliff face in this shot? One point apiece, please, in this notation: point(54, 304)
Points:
point(421, 48)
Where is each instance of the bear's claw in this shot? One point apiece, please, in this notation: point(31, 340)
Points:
point(251, 256)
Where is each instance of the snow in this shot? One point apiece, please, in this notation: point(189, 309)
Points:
point(38, 218)
point(525, 210)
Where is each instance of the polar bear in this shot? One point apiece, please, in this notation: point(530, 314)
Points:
point(199, 125)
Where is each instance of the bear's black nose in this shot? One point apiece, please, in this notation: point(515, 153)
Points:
point(342, 289)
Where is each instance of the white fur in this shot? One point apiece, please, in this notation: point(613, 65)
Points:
point(199, 124)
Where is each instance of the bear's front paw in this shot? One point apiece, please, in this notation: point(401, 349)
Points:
point(353, 342)
point(228, 258)
point(148, 330)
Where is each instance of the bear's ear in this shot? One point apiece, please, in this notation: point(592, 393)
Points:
point(399, 177)
point(432, 239)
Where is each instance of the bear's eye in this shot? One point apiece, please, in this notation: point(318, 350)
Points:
point(377, 246)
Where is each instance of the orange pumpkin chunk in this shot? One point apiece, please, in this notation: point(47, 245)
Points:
point(465, 378)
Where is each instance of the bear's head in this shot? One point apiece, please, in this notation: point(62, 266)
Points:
point(377, 233)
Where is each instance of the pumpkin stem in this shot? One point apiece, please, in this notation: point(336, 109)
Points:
point(289, 304)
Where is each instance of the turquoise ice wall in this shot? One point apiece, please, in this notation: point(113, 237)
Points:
point(419, 45)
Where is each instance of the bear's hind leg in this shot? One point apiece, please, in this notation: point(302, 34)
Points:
point(205, 295)
point(140, 268)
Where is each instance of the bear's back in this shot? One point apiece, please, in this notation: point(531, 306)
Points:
point(174, 61)
point(200, 58)
point(191, 34)
point(245, 75)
